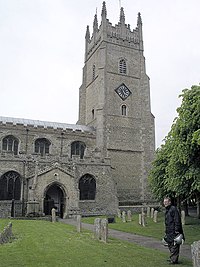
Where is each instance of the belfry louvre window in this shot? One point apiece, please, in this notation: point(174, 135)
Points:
point(42, 146)
point(10, 144)
point(78, 148)
point(122, 66)
point(10, 186)
point(124, 110)
point(93, 114)
point(87, 187)
point(93, 72)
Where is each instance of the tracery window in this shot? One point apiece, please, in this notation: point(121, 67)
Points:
point(87, 187)
point(42, 146)
point(124, 110)
point(122, 66)
point(10, 186)
point(10, 144)
point(78, 148)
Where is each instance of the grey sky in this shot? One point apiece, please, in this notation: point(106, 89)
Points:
point(42, 54)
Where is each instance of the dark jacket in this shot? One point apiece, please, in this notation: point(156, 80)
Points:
point(172, 223)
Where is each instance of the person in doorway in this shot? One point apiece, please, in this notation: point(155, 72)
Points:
point(173, 230)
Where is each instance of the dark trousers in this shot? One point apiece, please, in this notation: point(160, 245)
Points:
point(174, 251)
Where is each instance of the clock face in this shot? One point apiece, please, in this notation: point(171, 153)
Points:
point(123, 91)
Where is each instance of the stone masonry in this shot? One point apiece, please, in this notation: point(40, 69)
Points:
point(102, 161)
point(128, 138)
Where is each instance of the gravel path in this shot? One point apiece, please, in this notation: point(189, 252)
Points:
point(148, 242)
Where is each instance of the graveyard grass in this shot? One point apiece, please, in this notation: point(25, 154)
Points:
point(46, 244)
point(156, 230)
point(152, 229)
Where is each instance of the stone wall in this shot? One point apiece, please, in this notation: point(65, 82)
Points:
point(38, 173)
point(9, 208)
point(5, 208)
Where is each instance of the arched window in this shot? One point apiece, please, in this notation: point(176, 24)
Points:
point(87, 187)
point(122, 66)
point(93, 114)
point(124, 110)
point(93, 72)
point(10, 186)
point(42, 146)
point(10, 143)
point(78, 148)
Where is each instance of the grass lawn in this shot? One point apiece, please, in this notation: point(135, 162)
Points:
point(156, 230)
point(46, 244)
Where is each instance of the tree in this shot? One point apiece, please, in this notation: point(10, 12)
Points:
point(180, 175)
point(158, 175)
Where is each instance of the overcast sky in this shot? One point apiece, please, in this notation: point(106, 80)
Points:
point(42, 54)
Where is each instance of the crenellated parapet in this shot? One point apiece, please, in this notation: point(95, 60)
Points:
point(120, 33)
point(44, 125)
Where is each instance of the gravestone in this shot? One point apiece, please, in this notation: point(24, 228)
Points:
point(123, 216)
point(129, 216)
point(104, 230)
point(148, 211)
point(183, 217)
point(143, 220)
point(53, 215)
point(7, 234)
point(195, 249)
point(79, 224)
point(119, 215)
point(155, 216)
point(142, 210)
point(140, 219)
point(97, 228)
point(152, 212)
point(9, 229)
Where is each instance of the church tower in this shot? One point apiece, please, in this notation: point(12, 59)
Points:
point(114, 98)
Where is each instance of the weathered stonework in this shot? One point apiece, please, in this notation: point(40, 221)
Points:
point(128, 140)
point(119, 147)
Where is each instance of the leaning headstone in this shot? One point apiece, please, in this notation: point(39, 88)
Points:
point(155, 216)
point(183, 217)
point(129, 216)
point(53, 215)
point(195, 249)
point(119, 213)
point(97, 228)
point(143, 220)
point(123, 216)
point(104, 230)
point(140, 219)
point(152, 212)
point(10, 228)
point(79, 225)
point(148, 211)
point(5, 236)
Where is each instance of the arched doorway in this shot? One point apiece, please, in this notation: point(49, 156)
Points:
point(54, 198)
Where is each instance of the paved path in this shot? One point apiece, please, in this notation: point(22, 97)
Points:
point(137, 239)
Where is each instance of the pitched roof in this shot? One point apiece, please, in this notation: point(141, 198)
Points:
point(46, 124)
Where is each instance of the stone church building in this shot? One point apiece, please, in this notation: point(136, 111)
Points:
point(99, 163)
